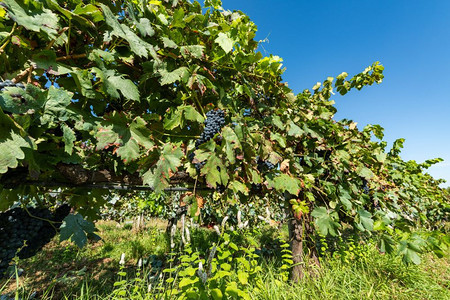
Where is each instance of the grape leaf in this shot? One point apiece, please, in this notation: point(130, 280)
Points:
point(294, 130)
point(364, 172)
point(284, 182)
point(191, 114)
point(409, 252)
point(68, 137)
point(168, 43)
point(169, 160)
point(225, 42)
point(214, 171)
point(324, 221)
point(125, 138)
point(114, 83)
point(141, 133)
point(178, 17)
point(78, 230)
point(175, 75)
point(345, 198)
point(83, 81)
point(231, 143)
point(145, 28)
point(55, 108)
point(386, 244)
point(137, 45)
point(89, 10)
point(41, 20)
point(11, 145)
point(196, 51)
point(365, 220)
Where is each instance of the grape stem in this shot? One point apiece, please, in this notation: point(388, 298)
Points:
point(8, 38)
point(199, 106)
point(177, 135)
point(42, 219)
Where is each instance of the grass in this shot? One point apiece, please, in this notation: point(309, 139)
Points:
point(62, 271)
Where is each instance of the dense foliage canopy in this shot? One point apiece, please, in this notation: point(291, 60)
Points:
point(117, 93)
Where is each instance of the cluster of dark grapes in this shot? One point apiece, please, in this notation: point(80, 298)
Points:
point(9, 83)
point(24, 233)
point(265, 165)
point(365, 187)
point(215, 120)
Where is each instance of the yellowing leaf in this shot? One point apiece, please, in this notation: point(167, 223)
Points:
point(225, 42)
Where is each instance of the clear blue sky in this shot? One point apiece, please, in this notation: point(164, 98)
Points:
point(411, 39)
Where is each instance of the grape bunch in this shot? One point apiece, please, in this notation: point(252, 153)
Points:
point(215, 120)
point(9, 83)
point(265, 165)
point(24, 233)
point(198, 166)
point(365, 187)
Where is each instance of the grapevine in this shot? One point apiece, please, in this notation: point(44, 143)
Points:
point(128, 110)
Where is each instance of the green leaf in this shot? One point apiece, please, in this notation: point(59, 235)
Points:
point(284, 182)
point(29, 101)
point(195, 51)
point(89, 10)
point(216, 294)
point(173, 121)
point(187, 281)
point(409, 253)
point(279, 138)
point(225, 42)
point(8, 197)
point(365, 219)
point(324, 221)
point(191, 114)
point(243, 277)
point(56, 106)
point(68, 137)
point(129, 150)
point(171, 77)
point(145, 27)
point(44, 59)
point(40, 20)
point(346, 199)
point(169, 160)
point(137, 45)
point(114, 83)
point(124, 137)
point(364, 172)
point(215, 171)
point(11, 149)
point(294, 130)
point(276, 120)
point(386, 244)
point(237, 186)
point(168, 43)
point(381, 157)
point(178, 17)
point(83, 80)
point(141, 133)
point(78, 230)
point(231, 143)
